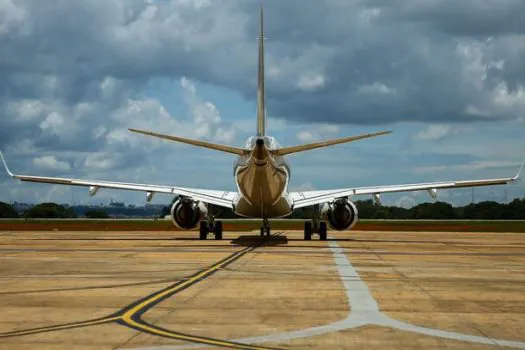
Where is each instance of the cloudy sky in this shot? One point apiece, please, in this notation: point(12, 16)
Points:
point(447, 76)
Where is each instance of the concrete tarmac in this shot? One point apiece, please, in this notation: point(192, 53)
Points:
point(168, 290)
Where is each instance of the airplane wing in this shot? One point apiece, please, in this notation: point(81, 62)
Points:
point(308, 198)
point(219, 198)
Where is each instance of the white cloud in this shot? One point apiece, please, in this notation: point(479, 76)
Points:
point(11, 16)
point(53, 123)
point(195, 3)
point(272, 124)
point(305, 136)
point(369, 14)
point(109, 87)
point(311, 83)
point(26, 110)
point(101, 161)
point(188, 85)
point(305, 186)
point(472, 166)
point(207, 121)
point(51, 163)
point(477, 112)
point(327, 128)
point(434, 132)
point(376, 88)
point(503, 97)
point(226, 135)
point(305, 72)
point(314, 132)
point(406, 201)
point(474, 67)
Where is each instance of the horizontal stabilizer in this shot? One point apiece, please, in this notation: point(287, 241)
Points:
point(300, 148)
point(215, 146)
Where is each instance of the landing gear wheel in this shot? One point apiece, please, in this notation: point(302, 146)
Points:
point(322, 231)
point(217, 230)
point(203, 230)
point(265, 231)
point(307, 231)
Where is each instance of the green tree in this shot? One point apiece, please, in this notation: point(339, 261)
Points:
point(437, 210)
point(50, 211)
point(515, 210)
point(7, 211)
point(483, 210)
point(96, 214)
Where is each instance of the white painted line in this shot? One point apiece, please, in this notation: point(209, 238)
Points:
point(363, 311)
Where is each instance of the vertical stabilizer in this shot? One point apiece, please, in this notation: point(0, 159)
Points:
point(261, 115)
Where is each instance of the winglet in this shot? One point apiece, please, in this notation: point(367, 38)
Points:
point(519, 171)
point(5, 165)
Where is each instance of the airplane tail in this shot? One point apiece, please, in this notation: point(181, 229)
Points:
point(261, 124)
point(261, 111)
point(301, 148)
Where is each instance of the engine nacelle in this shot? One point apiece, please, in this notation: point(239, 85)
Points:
point(186, 213)
point(341, 214)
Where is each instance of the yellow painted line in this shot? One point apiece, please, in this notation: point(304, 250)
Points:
point(191, 338)
point(127, 317)
point(129, 314)
point(59, 327)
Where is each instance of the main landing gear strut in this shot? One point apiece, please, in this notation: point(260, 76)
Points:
point(316, 226)
point(265, 228)
point(210, 226)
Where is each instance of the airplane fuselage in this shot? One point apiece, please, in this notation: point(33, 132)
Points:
point(262, 181)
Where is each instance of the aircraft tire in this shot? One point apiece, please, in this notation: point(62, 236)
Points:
point(322, 231)
point(218, 230)
point(203, 230)
point(308, 231)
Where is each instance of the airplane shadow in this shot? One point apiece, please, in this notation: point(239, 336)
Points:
point(265, 241)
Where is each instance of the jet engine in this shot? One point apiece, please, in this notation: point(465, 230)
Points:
point(186, 213)
point(340, 214)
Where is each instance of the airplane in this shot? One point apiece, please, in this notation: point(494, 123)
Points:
point(262, 176)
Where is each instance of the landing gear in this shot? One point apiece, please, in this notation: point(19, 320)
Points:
point(315, 226)
point(265, 228)
point(207, 226)
point(311, 228)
